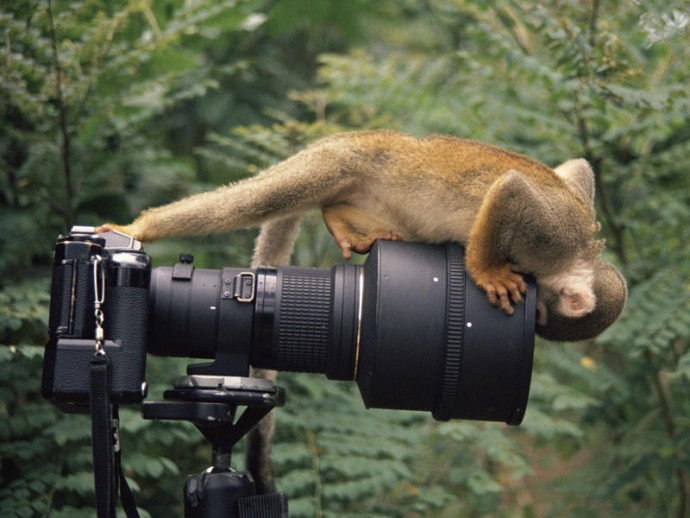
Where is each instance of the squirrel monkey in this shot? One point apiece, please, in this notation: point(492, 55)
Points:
point(514, 214)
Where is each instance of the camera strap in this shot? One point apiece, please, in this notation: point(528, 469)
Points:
point(109, 478)
point(107, 469)
point(102, 434)
point(121, 485)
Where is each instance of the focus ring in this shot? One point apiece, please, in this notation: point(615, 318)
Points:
point(303, 319)
point(455, 329)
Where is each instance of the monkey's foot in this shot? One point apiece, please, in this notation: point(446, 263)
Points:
point(361, 244)
point(501, 285)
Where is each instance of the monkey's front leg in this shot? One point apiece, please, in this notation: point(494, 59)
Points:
point(354, 229)
point(489, 246)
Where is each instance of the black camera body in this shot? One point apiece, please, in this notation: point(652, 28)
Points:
point(409, 326)
point(86, 267)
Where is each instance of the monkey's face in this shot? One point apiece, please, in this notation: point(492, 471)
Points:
point(569, 292)
point(609, 292)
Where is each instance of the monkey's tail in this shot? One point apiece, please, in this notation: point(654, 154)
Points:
point(258, 457)
point(273, 248)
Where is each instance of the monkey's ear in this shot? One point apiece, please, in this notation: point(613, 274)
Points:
point(579, 177)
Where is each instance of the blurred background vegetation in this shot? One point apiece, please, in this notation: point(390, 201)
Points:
point(110, 107)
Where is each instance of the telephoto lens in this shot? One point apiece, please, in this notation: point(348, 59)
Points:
point(431, 340)
point(409, 326)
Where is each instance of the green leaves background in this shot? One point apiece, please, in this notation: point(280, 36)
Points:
point(110, 107)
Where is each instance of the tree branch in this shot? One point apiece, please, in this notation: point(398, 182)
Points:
point(670, 425)
point(597, 161)
point(593, 18)
point(316, 469)
point(584, 135)
point(65, 146)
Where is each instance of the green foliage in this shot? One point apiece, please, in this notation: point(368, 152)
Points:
point(335, 458)
point(649, 356)
point(88, 95)
point(81, 84)
point(24, 312)
point(108, 108)
point(23, 441)
point(581, 85)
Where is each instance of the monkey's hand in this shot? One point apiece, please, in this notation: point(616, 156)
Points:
point(125, 229)
point(501, 285)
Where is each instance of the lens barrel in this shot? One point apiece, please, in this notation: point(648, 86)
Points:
point(306, 320)
point(431, 340)
point(410, 326)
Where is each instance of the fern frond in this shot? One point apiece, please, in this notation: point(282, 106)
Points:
point(657, 314)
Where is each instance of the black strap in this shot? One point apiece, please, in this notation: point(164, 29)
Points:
point(109, 478)
point(126, 496)
point(121, 484)
point(102, 437)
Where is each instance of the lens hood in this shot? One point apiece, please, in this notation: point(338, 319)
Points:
point(431, 340)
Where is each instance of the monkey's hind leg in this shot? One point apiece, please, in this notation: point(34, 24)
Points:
point(273, 248)
point(354, 229)
point(276, 241)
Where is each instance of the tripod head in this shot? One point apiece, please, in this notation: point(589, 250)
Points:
point(211, 404)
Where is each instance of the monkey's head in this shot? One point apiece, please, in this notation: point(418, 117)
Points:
point(610, 294)
point(584, 297)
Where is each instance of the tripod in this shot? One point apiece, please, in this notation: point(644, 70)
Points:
point(211, 403)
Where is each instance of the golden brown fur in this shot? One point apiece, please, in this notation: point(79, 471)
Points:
point(515, 214)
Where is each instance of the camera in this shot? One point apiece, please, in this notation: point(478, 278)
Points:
point(409, 325)
point(83, 264)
